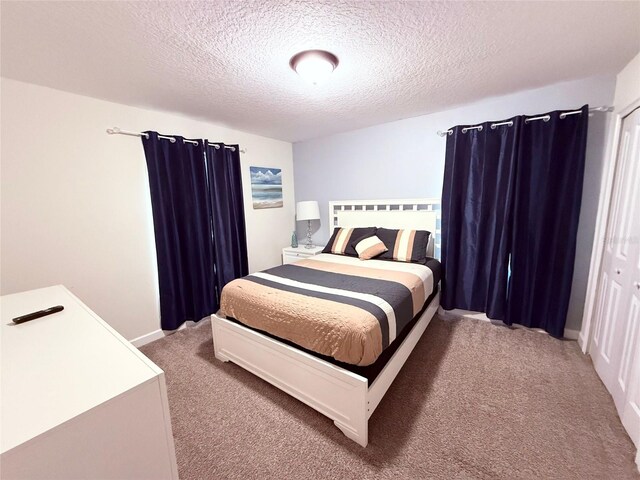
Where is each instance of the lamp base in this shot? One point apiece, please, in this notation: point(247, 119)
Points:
point(309, 242)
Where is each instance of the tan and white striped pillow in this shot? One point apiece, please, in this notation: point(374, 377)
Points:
point(341, 243)
point(404, 245)
point(370, 247)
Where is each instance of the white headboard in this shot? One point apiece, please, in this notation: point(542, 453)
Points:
point(414, 213)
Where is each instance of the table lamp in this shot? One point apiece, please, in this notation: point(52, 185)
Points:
point(308, 211)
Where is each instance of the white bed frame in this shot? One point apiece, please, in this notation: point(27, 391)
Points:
point(341, 395)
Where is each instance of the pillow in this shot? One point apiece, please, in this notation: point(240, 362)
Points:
point(369, 247)
point(404, 245)
point(341, 240)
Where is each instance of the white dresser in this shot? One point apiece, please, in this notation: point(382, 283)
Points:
point(78, 400)
point(295, 254)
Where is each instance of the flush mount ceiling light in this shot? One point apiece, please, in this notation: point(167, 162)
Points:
point(314, 66)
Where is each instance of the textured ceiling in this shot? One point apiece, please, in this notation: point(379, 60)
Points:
point(227, 62)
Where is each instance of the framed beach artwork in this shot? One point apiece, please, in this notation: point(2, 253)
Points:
point(266, 187)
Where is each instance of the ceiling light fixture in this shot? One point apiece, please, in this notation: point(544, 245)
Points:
point(315, 66)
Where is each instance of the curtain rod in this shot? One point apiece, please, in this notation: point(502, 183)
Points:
point(545, 118)
point(117, 131)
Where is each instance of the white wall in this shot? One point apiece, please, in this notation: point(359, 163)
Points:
point(405, 159)
point(628, 84)
point(75, 201)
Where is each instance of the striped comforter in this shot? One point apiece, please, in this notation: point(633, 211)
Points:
point(334, 305)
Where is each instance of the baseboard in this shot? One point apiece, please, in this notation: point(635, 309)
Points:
point(147, 338)
point(458, 313)
point(571, 334)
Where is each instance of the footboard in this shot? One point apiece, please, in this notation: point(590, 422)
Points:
point(336, 393)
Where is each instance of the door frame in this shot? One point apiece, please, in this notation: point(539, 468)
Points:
point(602, 221)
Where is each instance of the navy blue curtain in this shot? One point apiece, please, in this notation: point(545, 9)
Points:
point(551, 157)
point(198, 221)
point(181, 208)
point(510, 208)
point(229, 232)
point(479, 179)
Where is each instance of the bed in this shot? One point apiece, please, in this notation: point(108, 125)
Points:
point(346, 389)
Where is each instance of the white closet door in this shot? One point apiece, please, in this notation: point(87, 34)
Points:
point(616, 340)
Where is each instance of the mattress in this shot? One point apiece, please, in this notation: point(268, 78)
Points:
point(337, 306)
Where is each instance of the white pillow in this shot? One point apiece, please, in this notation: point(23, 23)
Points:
point(370, 247)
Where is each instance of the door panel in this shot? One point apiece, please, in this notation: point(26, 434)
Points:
point(629, 209)
point(612, 311)
point(631, 411)
point(615, 347)
point(615, 211)
point(630, 344)
point(601, 300)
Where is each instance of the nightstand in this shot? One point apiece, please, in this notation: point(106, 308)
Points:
point(291, 254)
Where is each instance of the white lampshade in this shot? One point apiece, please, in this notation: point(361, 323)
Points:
point(307, 210)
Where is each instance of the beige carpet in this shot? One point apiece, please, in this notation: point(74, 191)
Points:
point(474, 400)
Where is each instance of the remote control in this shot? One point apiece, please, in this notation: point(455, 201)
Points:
point(38, 314)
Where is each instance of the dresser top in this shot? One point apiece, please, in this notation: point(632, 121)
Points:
point(56, 367)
